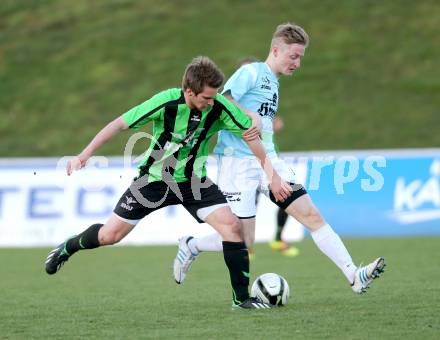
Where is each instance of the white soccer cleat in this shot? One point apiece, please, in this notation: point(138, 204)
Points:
point(365, 275)
point(183, 260)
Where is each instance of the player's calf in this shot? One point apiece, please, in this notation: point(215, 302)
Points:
point(88, 239)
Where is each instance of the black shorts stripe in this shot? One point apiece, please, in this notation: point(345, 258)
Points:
point(246, 218)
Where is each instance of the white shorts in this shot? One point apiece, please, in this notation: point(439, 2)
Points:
point(239, 179)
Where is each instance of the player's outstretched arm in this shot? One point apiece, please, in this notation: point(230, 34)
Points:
point(110, 130)
point(280, 189)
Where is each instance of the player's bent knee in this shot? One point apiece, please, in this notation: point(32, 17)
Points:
point(235, 225)
point(106, 240)
point(110, 237)
point(232, 229)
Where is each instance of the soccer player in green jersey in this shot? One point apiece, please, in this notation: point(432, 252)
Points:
point(255, 88)
point(173, 171)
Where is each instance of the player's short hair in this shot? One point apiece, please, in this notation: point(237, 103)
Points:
point(202, 72)
point(290, 33)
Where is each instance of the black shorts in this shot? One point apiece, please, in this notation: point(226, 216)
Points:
point(142, 198)
point(298, 191)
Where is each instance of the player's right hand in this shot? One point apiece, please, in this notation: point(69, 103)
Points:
point(74, 164)
point(281, 190)
point(251, 134)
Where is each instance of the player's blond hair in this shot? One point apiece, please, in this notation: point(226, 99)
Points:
point(202, 72)
point(290, 33)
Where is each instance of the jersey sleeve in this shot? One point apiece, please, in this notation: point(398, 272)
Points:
point(241, 81)
point(147, 111)
point(232, 118)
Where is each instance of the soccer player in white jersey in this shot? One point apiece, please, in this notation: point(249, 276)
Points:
point(254, 87)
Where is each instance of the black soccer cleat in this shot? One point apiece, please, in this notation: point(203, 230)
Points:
point(253, 303)
point(56, 258)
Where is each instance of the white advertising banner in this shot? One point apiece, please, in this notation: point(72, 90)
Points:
point(41, 206)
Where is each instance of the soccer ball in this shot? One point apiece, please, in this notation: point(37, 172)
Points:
point(271, 288)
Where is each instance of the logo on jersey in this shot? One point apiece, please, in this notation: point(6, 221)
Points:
point(178, 135)
point(196, 118)
point(172, 147)
point(188, 139)
point(266, 83)
point(269, 108)
point(127, 206)
point(232, 196)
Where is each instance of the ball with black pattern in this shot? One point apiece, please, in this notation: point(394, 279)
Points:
point(271, 288)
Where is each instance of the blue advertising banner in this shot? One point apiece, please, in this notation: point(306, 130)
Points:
point(374, 193)
point(388, 193)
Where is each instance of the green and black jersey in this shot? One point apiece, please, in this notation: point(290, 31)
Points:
point(179, 145)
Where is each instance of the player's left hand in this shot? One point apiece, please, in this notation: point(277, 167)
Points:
point(280, 188)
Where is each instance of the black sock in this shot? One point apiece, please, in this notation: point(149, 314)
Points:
point(237, 259)
point(88, 239)
point(281, 222)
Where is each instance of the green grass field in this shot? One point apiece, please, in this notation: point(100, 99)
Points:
point(369, 78)
point(129, 293)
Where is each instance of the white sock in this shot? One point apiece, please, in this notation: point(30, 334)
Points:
point(331, 245)
point(211, 242)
